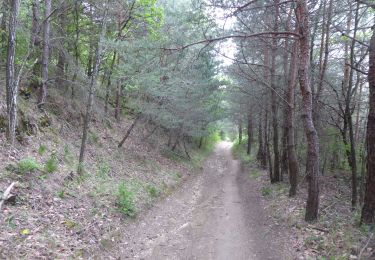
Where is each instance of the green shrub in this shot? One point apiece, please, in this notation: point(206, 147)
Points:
point(152, 191)
point(61, 194)
point(265, 191)
point(27, 165)
point(255, 174)
point(51, 164)
point(125, 201)
point(42, 149)
point(103, 169)
point(93, 137)
point(239, 151)
point(68, 157)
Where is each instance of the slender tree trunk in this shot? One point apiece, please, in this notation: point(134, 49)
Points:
point(359, 105)
point(312, 165)
point(128, 132)
point(92, 90)
point(3, 26)
point(35, 43)
point(323, 69)
point(284, 139)
point(77, 5)
point(368, 210)
point(267, 144)
point(11, 81)
point(240, 131)
point(349, 112)
point(292, 157)
point(312, 44)
point(45, 54)
point(109, 79)
point(249, 132)
point(60, 67)
point(200, 142)
point(261, 155)
point(274, 105)
point(118, 101)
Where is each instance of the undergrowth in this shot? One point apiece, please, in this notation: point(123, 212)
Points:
point(125, 201)
point(239, 151)
point(27, 165)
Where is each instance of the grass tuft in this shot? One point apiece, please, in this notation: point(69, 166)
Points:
point(125, 201)
point(51, 164)
point(42, 149)
point(27, 165)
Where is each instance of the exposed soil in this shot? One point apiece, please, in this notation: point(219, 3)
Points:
point(215, 215)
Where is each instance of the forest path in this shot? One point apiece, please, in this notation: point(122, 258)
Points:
point(216, 215)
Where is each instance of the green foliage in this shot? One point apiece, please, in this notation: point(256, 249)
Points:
point(265, 191)
point(103, 169)
point(152, 191)
point(254, 174)
point(51, 164)
point(125, 200)
point(42, 149)
point(239, 151)
point(68, 156)
point(61, 194)
point(27, 165)
point(93, 137)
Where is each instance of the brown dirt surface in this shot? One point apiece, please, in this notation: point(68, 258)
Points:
point(215, 215)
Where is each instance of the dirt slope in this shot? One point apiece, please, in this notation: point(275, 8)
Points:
point(216, 215)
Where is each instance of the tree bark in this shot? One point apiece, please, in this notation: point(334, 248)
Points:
point(60, 67)
point(368, 210)
point(292, 157)
point(118, 101)
point(11, 81)
point(349, 113)
point(92, 90)
point(128, 132)
point(274, 104)
point(323, 68)
point(3, 26)
point(109, 81)
point(240, 131)
point(312, 165)
point(261, 155)
point(42, 95)
point(249, 132)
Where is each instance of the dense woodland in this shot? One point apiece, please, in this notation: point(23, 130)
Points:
point(294, 79)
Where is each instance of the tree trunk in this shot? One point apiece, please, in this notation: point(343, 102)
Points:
point(128, 132)
point(249, 132)
point(109, 79)
point(200, 142)
point(261, 155)
point(368, 210)
point(274, 105)
point(239, 131)
point(45, 54)
point(118, 101)
point(323, 68)
point(312, 165)
point(267, 144)
point(76, 44)
point(11, 81)
point(60, 67)
point(349, 112)
point(292, 157)
point(92, 90)
point(35, 42)
point(3, 27)
point(284, 139)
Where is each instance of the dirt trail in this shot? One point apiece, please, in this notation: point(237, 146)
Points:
point(216, 215)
